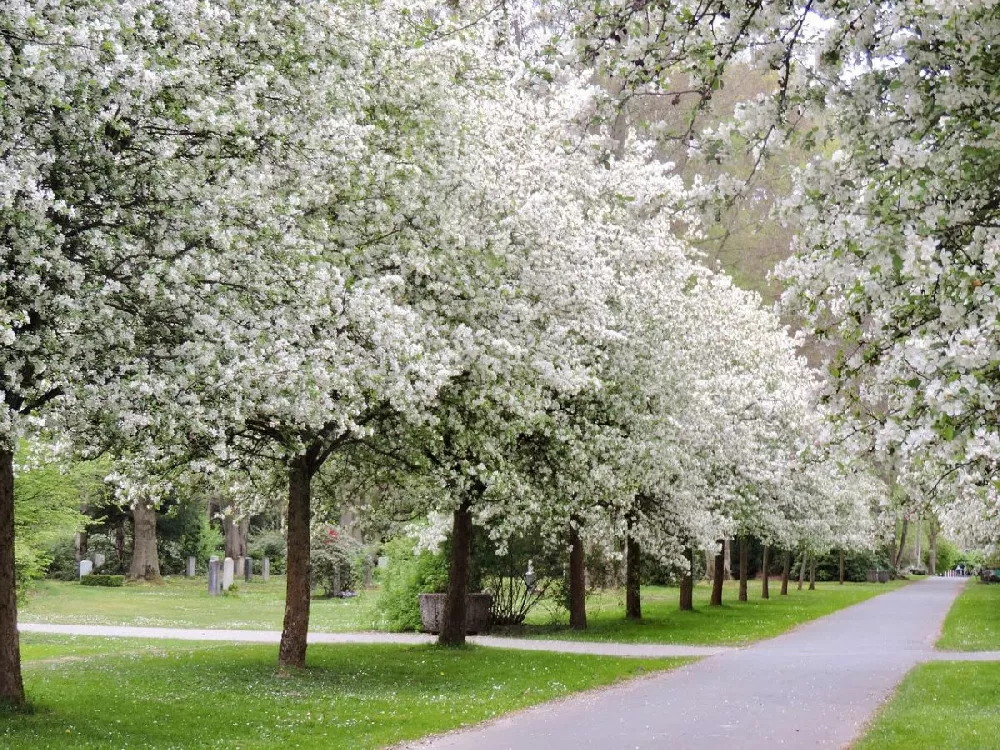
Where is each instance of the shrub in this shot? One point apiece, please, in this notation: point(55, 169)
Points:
point(407, 575)
point(271, 544)
point(947, 556)
point(336, 560)
point(62, 560)
point(856, 565)
point(97, 579)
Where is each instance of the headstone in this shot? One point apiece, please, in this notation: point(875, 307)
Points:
point(191, 567)
point(239, 565)
point(265, 569)
point(248, 570)
point(86, 568)
point(99, 560)
point(213, 576)
point(227, 573)
point(382, 561)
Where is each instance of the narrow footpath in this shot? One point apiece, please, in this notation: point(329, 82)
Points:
point(814, 687)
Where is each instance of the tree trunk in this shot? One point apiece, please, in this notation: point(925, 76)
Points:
point(145, 560)
point(786, 570)
point(80, 540)
point(709, 564)
point(455, 604)
point(727, 568)
point(717, 581)
point(292, 651)
point(764, 591)
point(633, 573)
point(120, 544)
point(898, 557)
point(577, 581)
point(744, 566)
point(802, 570)
point(841, 567)
point(932, 534)
point(11, 684)
point(812, 573)
point(236, 536)
point(687, 583)
point(916, 547)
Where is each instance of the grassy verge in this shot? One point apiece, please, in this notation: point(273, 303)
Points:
point(734, 623)
point(230, 696)
point(183, 603)
point(973, 622)
point(942, 705)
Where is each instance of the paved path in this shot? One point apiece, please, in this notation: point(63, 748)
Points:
point(637, 650)
point(815, 687)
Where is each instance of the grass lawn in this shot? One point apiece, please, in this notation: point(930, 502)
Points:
point(973, 622)
point(734, 623)
point(182, 603)
point(178, 602)
point(941, 705)
point(161, 694)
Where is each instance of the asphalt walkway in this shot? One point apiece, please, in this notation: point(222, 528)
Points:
point(814, 687)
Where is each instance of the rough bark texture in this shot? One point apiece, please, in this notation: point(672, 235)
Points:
point(292, 651)
point(841, 567)
point(577, 581)
point(932, 534)
point(802, 570)
point(717, 581)
point(744, 566)
point(633, 574)
point(455, 605)
point(687, 583)
point(898, 557)
point(812, 573)
point(765, 593)
point(786, 570)
point(236, 536)
point(145, 560)
point(11, 684)
point(80, 540)
point(727, 568)
point(709, 565)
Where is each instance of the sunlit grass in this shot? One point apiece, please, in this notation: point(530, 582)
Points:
point(973, 622)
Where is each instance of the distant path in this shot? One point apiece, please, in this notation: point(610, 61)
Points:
point(636, 650)
point(814, 687)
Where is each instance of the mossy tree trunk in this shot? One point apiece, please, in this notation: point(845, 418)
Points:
point(11, 684)
point(145, 559)
point(577, 579)
point(295, 629)
point(456, 601)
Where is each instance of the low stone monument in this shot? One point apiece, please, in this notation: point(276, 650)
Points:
point(191, 567)
point(86, 568)
point(213, 576)
point(265, 569)
point(227, 573)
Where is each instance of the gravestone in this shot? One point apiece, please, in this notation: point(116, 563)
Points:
point(191, 567)
point(239, 565)
point(248, 570)
point(99, 560)
point(213, 576)
point(227, 573)
point(265, 569)
point(86, 568)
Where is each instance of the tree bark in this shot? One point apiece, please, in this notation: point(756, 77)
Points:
point(80, 540)
point(236, 536)
point(802, 570)
point(456, 602)
point(577, 580)
point(687, 583)
point(11, 684)
point(709, 565)
point(120, 544)
point(744, 566)
point(292, 651)
point(727, 567)
point(786, 570)
point(633, 573)
point(765, 592)
point(898, 557)
point(717, 581)
point(812, 572)
point(932, 534)
point(841, 567)
point(145, 559)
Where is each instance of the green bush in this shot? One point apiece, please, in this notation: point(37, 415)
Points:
point(97, 579)
point(407, 575)
point(856, 565)
point(61, 556)
point(336, 559)
point(947, 556)
point(271, 544)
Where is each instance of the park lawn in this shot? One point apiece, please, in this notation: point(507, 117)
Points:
point(734, 623)
point(973, 622)
point(350, 696)
point(940, 705)
point(185, 603)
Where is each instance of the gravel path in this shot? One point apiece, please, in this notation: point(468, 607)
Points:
point(815, 687)
point(636, 650)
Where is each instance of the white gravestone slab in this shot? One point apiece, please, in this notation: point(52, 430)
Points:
point(227, 573)
point(86, 568)
point(98, 560)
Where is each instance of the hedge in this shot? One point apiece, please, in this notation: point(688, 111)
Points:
point(94, 579)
